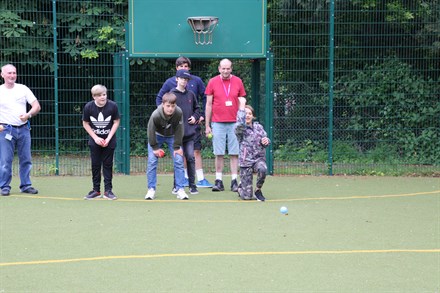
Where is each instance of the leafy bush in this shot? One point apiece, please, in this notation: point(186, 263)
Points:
point(388, 101)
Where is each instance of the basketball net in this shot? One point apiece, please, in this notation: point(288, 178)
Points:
point(202, 27)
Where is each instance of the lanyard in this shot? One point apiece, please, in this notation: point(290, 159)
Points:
point(224, 87)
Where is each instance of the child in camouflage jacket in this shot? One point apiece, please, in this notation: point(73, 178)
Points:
point(252, 157)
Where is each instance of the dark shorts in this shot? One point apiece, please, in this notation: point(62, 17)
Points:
point(198, 139)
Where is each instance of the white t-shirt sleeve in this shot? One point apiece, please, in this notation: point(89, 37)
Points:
point(13, 103)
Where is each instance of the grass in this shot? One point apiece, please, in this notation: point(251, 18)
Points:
point(342, 234)
point(80, 165)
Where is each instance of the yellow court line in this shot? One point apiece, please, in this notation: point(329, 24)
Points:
point(244, 201)
point(244, 253)
point(364, 196)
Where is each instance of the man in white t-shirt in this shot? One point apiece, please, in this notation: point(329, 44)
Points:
point(14, 130)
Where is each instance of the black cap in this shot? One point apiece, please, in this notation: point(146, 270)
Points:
point(183, 73)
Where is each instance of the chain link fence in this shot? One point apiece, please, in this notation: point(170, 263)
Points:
point(356, 86)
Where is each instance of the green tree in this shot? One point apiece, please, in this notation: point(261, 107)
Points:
point(84, 28)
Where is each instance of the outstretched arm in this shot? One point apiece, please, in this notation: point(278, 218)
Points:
point(208, 114)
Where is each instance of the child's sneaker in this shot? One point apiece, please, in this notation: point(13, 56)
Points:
point(218, 186)
point(92, 195)
point(193, 190)
point(174, 191)
point(181, 194)
point(234, 185)
point(110, 195)
point(150, 194)
point(259, 195)
point(204, 184)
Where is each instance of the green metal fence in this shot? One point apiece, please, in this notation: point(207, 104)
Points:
point(356, 86)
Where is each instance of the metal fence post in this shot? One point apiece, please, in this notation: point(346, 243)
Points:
point(55, 75)
point(120, 75)
point(331, 81)
point(269, 110)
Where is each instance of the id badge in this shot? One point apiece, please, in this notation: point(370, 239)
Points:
point(228, 103)
point(8, 136)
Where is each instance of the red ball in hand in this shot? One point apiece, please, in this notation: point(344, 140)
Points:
point(161, 153)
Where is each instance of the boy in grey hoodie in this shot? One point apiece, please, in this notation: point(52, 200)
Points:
point(165, 127)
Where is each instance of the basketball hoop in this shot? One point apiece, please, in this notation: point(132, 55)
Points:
point(202, 27)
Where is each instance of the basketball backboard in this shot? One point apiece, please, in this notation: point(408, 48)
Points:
point(160, 28)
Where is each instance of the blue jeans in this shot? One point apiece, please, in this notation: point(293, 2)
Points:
point(179, 172)
point(20, 140)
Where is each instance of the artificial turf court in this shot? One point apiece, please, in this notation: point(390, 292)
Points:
point(342, 234)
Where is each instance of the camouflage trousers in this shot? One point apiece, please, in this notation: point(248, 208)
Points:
point(245, 189)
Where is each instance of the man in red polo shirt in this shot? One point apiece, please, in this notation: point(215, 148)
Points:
point(222, 93)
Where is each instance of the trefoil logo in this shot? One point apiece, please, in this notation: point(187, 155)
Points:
point(101, 123)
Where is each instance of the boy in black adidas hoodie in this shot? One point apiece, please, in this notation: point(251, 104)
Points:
point(187, 101)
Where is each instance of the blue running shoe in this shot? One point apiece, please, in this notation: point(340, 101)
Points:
point(204, 184)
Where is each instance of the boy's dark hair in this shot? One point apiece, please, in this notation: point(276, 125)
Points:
point(169, 98)
point(182, 60)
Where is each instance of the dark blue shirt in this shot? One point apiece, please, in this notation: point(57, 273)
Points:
point(195, 84)
point(188, 103)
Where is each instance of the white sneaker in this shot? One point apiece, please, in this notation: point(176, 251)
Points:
point(174, 191)
point(150, 194)
point(181, 194)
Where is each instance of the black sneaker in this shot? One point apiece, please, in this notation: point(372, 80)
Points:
point(30, 190)
point(218, 185)
point(110, 195)
point(193, 189)
point(93, 194)
point(234, 185)
point(259, 195)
